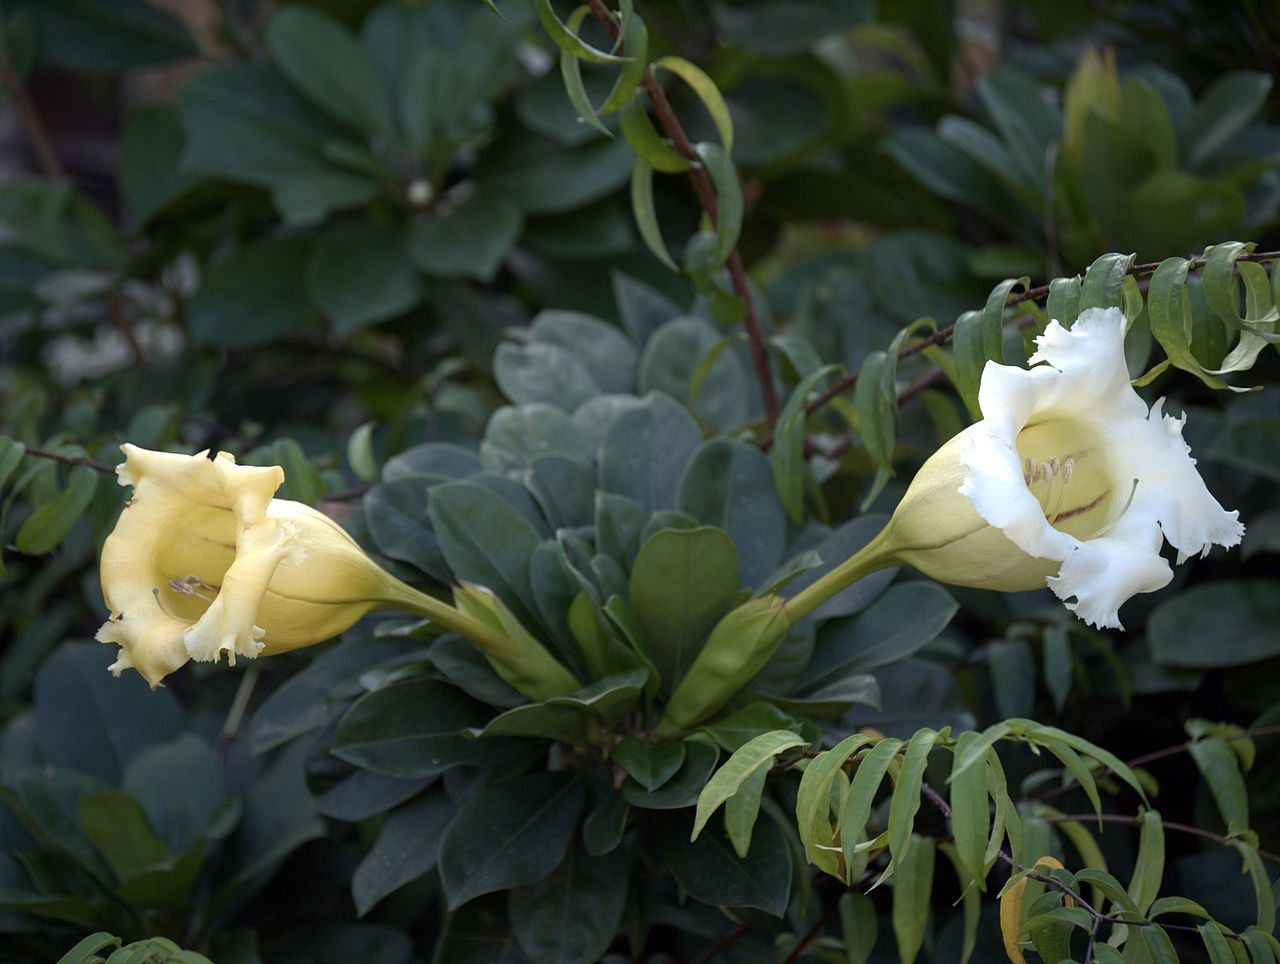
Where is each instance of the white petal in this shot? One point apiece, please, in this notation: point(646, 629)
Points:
point(1191, 518)
point(1090, 355)
point(996, 488)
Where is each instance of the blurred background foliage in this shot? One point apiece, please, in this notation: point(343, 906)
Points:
point(316, 234)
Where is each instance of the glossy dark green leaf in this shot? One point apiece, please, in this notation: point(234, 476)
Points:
point(406, 848)
point(486, 542)
point(682, 789)
point(179, 787)
point(413, 729)
point(892, 628)
point(88, 721)
point(682, 582)
point(256, 295)
point(470, 241)
point(711, 871)
point(509, 835)
point(1221, 113)
point(730, 485)
point(646, 450)
point(330, 68)
point(1185, 629)
point(360, 273)
point(50, 523)
point(572, 915)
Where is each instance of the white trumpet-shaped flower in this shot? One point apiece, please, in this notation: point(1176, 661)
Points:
point(1069, 480)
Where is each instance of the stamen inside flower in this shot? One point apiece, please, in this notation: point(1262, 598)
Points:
point(1067, 471)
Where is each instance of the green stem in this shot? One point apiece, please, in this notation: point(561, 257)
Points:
point(874, 556)
point(485, 638)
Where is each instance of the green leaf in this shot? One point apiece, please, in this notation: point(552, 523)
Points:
point(1103, 285)
point(572, 915)
point(151, 147)
point(742, 810)
point(857, 806)
point(688, 353)
point(1257, 871)
point(90, 722)
point(712, 872)
point(396, 513)
point(1063, 303)
point(605, 352)
point(913, 886)
point(486, 541)
point(651, 149)
point(278, 816)
point(115, 824)
point(859, 924)
point(646, 450)
point(1158, 945)
point(1219, 281)
point(724, 177)
point(740, 767)
point(542, 373)
point(972, 903)
point(646, 214)
point(179, 787)
point(1169, 311)
point(682, 789)
point(906, 797)
point(970, 814)
point(579, 718)
point(895, 626)
point(786, 457)
point(1183, 630)
point(407, 847)
point(414, 728)
point(682, 582)
point(569, 41)
point(255, 296)
point(604, 827)
point(705, 88)
point(730, 485)
point(50, 523)
point(470, 241)
point(1227, 106)
point(330, 68)
point(1220, 769)
point(649, 764)
point(301, 482)
point(509, 834)
point(86, 951)
point(95, 36)
point(359, 273)
point(1216, 945)
point(1148, 870)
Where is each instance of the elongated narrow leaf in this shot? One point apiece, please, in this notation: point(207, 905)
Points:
point(786, 457)
point(1103, 285)
point(1158, 945)
point(707, 92)
point(912, 887)
point(646, 214)
point(1169, 312)
point(1257, 872)
point(970, 814)
point(737, 769)
point(724, 177)
point(859, 924)
point(568, 40)
point(49, 524)
point(857, 806)
point(743, 808)
point(906, 797)
point(1063, 303)
point(1216, 945)
point(1219, 281)
point(970, 901)
point(1220, 768)
point(646, 141)
point(813, 800)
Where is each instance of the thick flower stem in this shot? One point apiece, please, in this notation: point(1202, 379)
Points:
point(484, 638)
point(875, 555)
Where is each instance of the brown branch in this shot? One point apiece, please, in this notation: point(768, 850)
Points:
point(812, 932)
point(1153, 756)
point(32, 126)
point(944, 334)
point(1185, 828)
point(71, 460)
point(706, 194)
point(724, 941)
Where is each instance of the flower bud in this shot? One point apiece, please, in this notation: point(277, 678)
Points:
point(738, 648)
point(204, 561)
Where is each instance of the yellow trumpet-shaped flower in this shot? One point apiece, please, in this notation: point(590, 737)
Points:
point(203, 561)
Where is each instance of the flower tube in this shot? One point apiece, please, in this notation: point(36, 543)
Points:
point(203, 561)
point(1068, 481)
